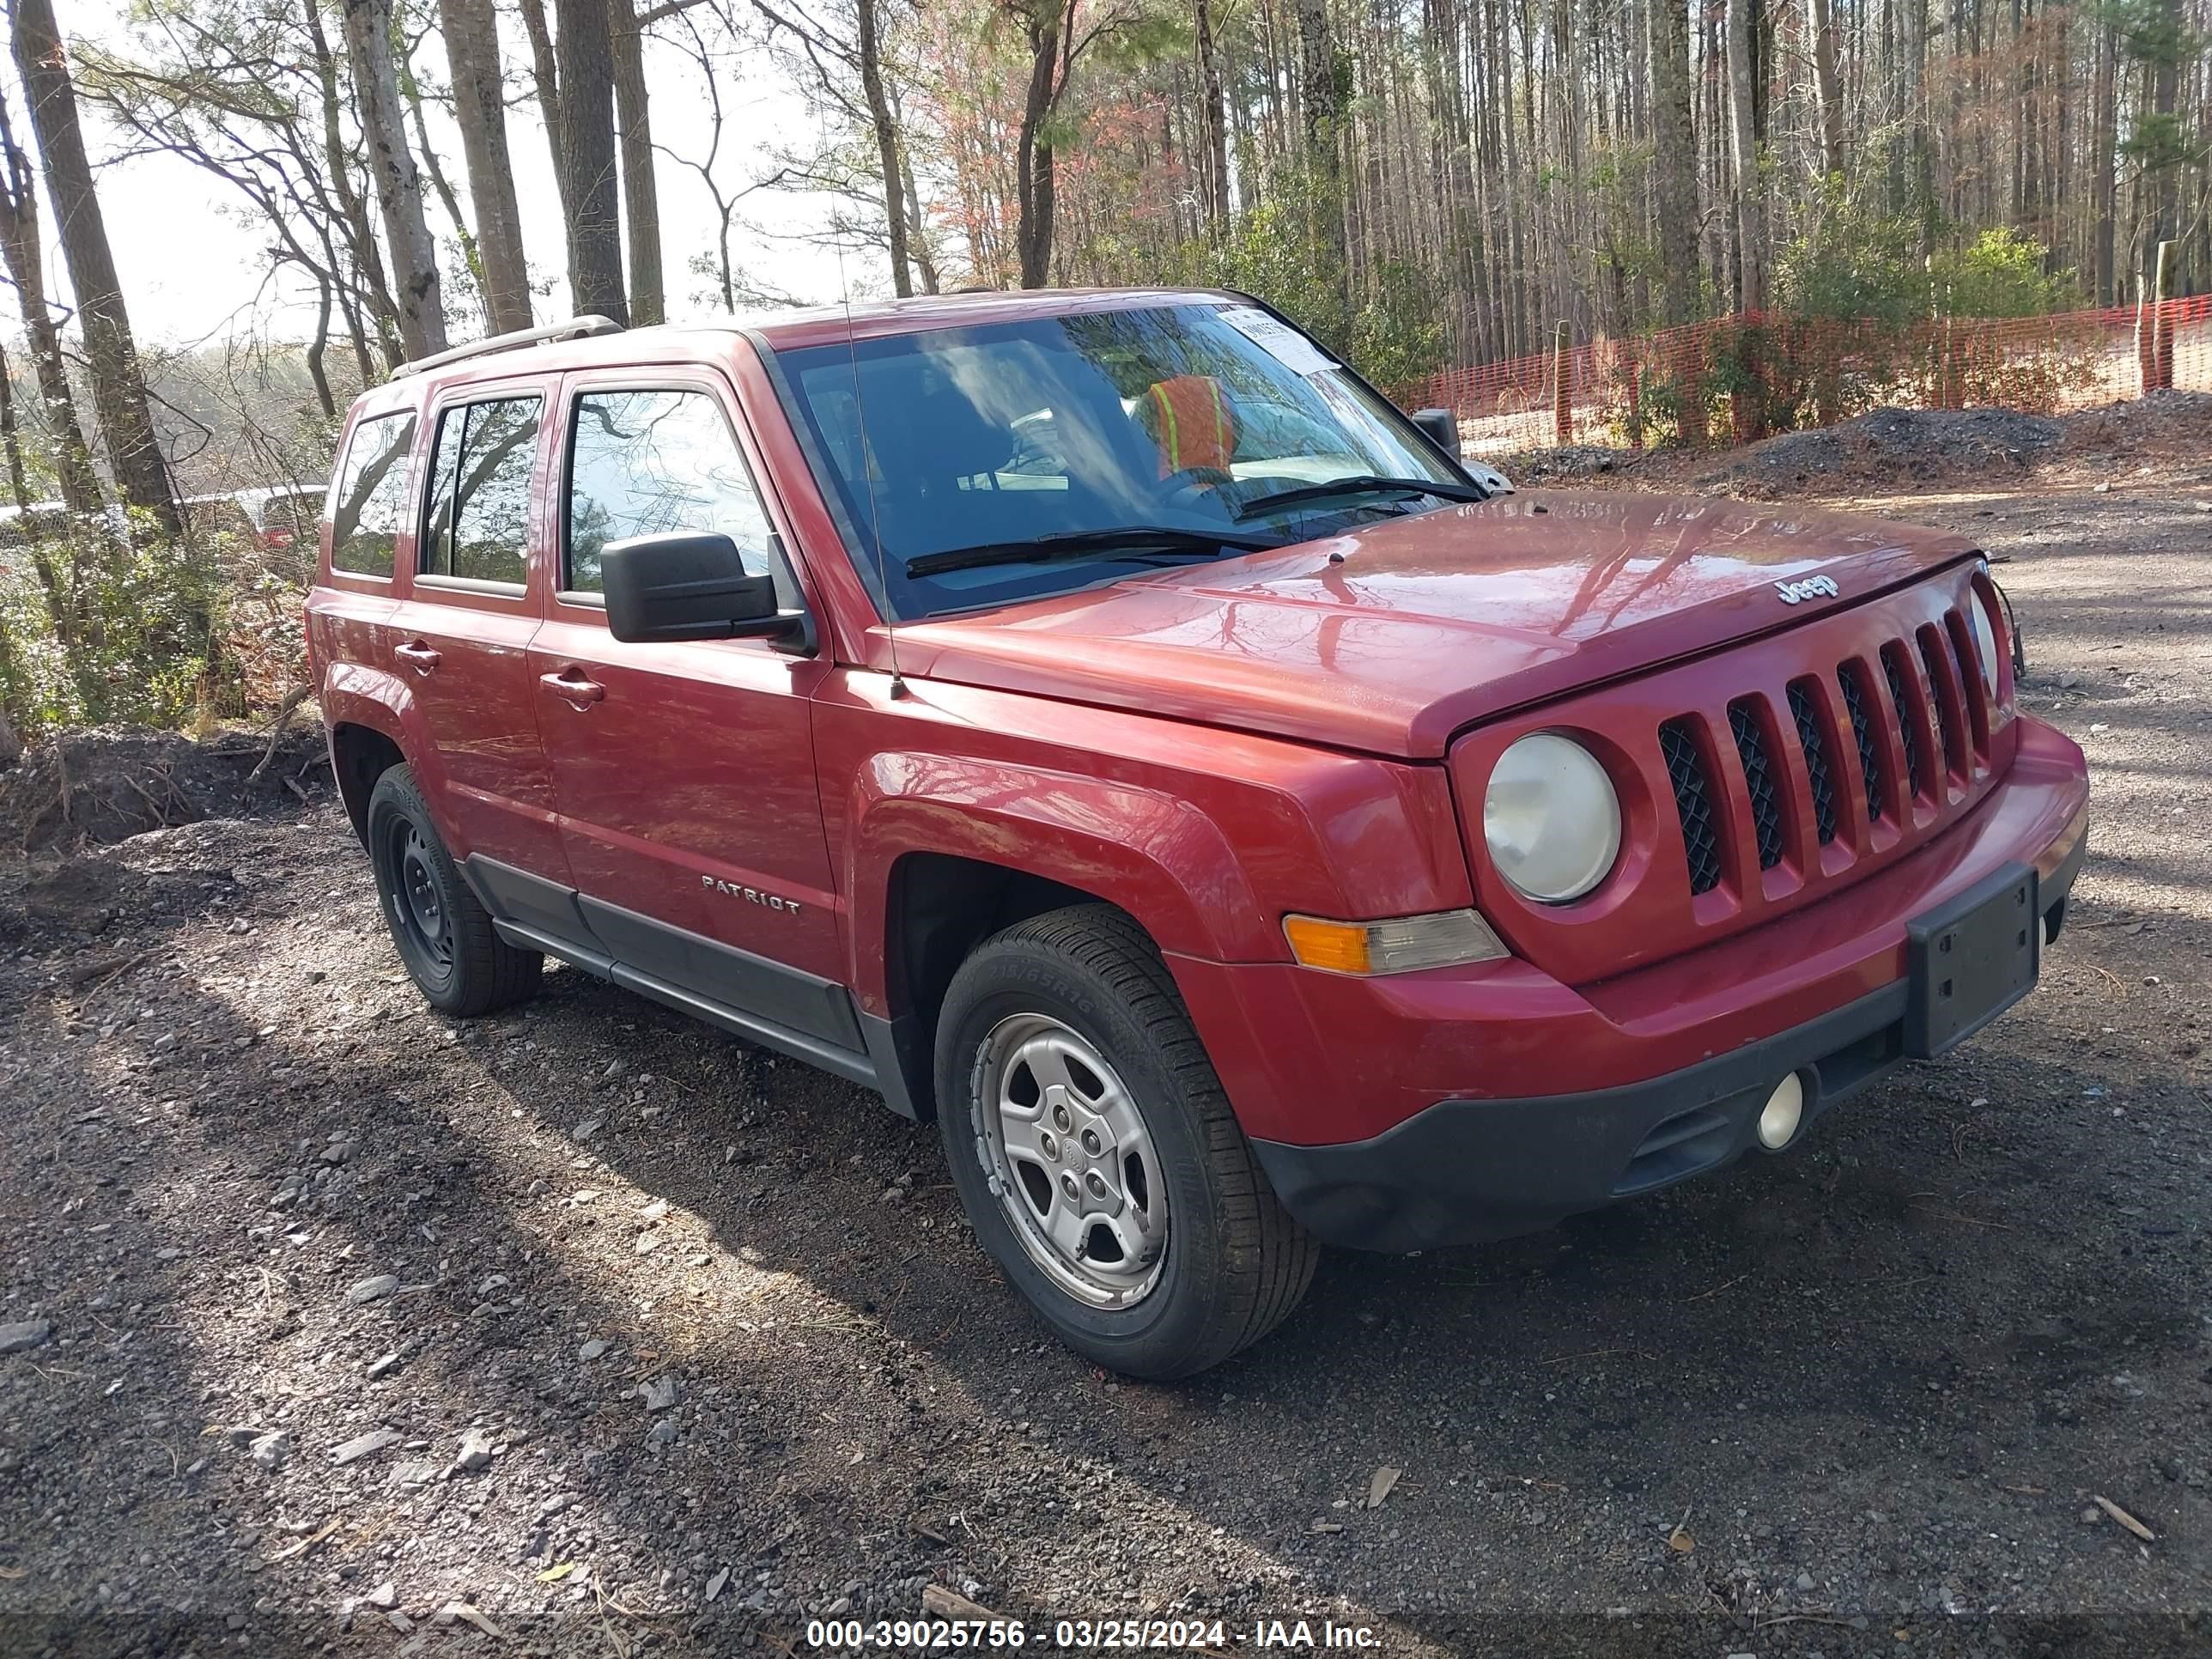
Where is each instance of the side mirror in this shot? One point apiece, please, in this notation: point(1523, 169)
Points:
point(1442, 427)
point(688, 586)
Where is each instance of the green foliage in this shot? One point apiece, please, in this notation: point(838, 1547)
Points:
point(1146, 37)
point(1999, 274)
point(2151, 32)
point(1391, 334)
point(154, 631)
point(1397, 339)
point(1852, 259)
point(2159, 144)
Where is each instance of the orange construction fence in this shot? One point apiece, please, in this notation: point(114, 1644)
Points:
point(1739, 379)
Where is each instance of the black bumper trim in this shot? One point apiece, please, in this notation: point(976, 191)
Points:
point(1468, 1171)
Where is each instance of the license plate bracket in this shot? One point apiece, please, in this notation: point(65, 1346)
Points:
point(1971, 959)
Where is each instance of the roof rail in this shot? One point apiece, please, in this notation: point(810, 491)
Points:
point(576, 328)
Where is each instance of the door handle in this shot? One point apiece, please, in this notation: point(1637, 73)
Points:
point(578, 690)
point(417, 655)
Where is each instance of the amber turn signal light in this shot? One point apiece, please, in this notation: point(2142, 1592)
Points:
point(1446, 938)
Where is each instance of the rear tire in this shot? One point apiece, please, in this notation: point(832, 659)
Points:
point(445, 938)
point(1097, 1157)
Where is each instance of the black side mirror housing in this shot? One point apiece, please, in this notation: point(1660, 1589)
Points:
point(688, 586)
point(1442, 427)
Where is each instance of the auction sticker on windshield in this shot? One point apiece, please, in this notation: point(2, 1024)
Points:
point(1278, 339)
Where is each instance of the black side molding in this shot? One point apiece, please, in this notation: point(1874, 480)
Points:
point(777, 1005)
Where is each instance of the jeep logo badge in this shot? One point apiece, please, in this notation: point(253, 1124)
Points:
point(1813, 587)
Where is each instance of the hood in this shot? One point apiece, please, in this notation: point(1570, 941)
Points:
point(1389, 639)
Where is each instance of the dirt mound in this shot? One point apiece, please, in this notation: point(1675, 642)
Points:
point(85, 898)
point(2166, 425)
point(102, 786)
point(1568, 464)
point(1903, 446)
point(1896, 448)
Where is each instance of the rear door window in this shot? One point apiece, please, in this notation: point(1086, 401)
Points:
point(652, 461)
point(478, 524)
point(371, 503)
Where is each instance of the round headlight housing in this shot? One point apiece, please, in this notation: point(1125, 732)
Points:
point(1551, 818)
point(1985, 637)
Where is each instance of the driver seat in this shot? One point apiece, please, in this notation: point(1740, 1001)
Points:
point(1193, 421)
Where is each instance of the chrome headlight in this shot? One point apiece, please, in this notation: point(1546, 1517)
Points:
point(1551, 818)
point(1985, 638)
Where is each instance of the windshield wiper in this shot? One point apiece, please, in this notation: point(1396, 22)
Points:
point(1133, 541)
point(1360, 485)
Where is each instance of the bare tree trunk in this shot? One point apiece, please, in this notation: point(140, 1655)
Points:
point(1217, 132)
point(2104, 188)
point(917, 233)
point(11, 746)
point(1321, 107)
point(18, 487)
point(584, 55)
point(1034, 183)
point(1743, 153)
point(545, 75)
point(640, 192)
point(119, 385)
point(20, 241)
point(1674, 160)
point(887, 145)
point(472, 56)
point(410, 95)
point(62, 599)
point(2165, 90)
point(1919, 192)
point(399, 178)
point(368, 290)
point(318, 374)
point(1828, 90)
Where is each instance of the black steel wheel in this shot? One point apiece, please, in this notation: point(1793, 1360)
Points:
point(444, 936)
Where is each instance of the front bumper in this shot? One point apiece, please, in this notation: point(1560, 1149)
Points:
point(1465, 1171)
point(1580, 1098)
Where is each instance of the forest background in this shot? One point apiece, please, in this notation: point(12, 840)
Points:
point(308, 192)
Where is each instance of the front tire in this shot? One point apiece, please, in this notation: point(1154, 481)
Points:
point(445, 938)
point(1097, 1157)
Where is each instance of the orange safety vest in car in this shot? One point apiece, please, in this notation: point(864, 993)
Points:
point(1193, 424)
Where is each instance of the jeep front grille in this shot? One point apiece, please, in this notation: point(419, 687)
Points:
point(1852, 678)
point(1937, 658)
point(1693, 801)
point(1815, 746)
point(1908, 729)
point(1915, 727)
point(1758, 777)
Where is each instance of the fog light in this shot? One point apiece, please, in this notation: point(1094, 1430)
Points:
point(1784, 1111)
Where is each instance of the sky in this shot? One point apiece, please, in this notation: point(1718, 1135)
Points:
point(191, 260)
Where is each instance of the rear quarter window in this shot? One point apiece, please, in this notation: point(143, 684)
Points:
point(371, 502)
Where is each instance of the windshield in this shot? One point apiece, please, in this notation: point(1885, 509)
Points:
point(1058, 430)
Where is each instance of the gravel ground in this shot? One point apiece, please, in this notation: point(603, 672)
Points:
point(329, 1324)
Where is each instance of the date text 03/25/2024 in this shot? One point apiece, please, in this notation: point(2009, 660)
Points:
point(1089, 1635)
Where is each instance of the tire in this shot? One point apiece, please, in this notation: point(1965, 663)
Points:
point(1075, 1009)
point(445, 938)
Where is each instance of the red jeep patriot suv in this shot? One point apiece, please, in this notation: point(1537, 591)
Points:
point(1102, 723)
